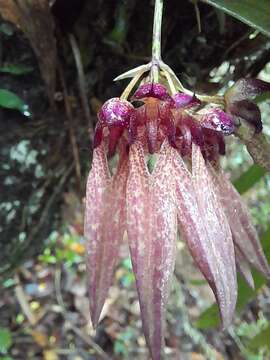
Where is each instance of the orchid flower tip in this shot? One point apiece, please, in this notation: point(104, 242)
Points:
point(94, 322)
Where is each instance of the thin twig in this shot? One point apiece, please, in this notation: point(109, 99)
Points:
point(72, 135)
point(57, 285)
point(198, 16)
point(236, 43)
point(21, 298)
point(81, 81)
point(87, 339)
point(52, 198)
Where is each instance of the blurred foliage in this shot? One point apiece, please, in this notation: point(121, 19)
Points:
point(5, 340)
point(10, 100)
point(210, 317)
point(63, 249)
point(122, 343)
point(249, 178)
point(118, 34)
point(127, 276)
point(16, 69)
point(37, 155)
point(249, 338)
point(252, 12)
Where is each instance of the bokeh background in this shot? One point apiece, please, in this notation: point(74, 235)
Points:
point(57, 64)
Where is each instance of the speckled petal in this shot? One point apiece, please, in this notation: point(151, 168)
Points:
point(115, 111)
point(103, 227)
point(139, 228)
point(220, 245)
point(182, 100)
point(151, 224)
point(217, 120)
point(203, 234)
point(163, 237)
point(244, 234)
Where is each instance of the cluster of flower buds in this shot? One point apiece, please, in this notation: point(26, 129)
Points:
point(153, 115)
point(186, 190)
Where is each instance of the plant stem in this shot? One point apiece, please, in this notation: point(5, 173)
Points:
point(156, 42)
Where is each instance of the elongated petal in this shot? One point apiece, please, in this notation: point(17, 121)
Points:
point(139, 228)
point(221, 257)
point(191, 222)
point(104, 227)
point(243, 268)
point(151, 225)
point(164, 237)
point(244, 234)
point(202, 236)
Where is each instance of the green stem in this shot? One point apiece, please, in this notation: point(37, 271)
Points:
point(156, 42)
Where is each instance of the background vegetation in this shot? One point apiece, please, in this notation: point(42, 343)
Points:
point(57, 62)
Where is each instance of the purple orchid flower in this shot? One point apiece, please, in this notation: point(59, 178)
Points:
point(186, 191)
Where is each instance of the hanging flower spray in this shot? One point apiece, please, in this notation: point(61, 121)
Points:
point(186, 191)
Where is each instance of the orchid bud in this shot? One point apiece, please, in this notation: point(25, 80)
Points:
point(216, 119)
point(115, 115)
point(154, 90)
point(182, 100)
point(115, 112)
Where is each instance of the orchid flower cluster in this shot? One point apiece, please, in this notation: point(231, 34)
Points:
point(186, 191)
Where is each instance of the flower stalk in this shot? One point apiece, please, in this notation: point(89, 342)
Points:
point(156, 41)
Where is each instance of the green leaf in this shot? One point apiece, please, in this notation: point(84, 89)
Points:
point(249, 178)
point(126, 263)
point(260, 340)
point(10, 100)
point(255, 13)
point(9, 282)
point(14, 69)
point(119, 347)
point(5, 340)
point(210, 317)
point(263, 97)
